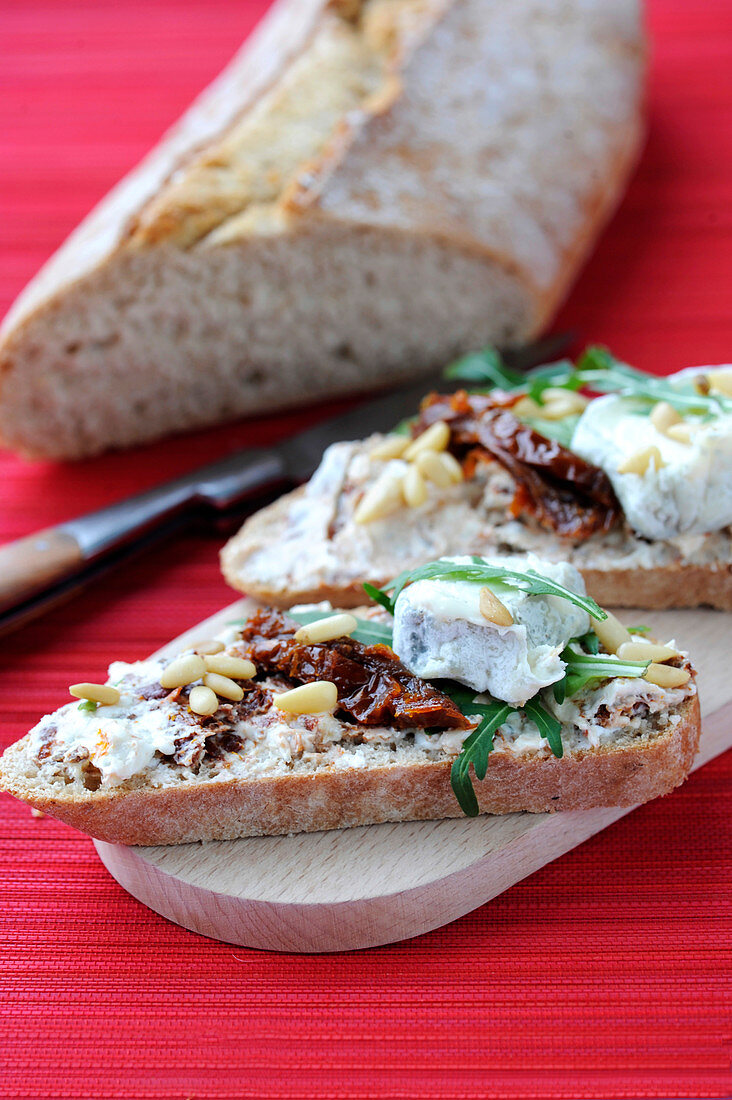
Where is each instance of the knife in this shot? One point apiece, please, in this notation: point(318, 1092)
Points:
point(38, 571)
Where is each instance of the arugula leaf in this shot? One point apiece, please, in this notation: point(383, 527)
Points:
point(367, 631)
point(487, 368)
point(583, 668)
point(547, 725)
point(561, 375)
point(597, 369)
point(479, 745)
point(561, 430)
point(476, 750)
point(601, 371)
point(89, 706)
point(378, 595)
point(589, 641)
point(478, 572)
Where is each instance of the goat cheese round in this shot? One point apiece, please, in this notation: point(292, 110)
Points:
point(440, 632)
point(690, 494)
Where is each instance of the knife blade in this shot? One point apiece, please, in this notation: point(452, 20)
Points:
point(42, 568)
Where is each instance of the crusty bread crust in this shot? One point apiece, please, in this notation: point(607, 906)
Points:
point(261, 252)
point(662, 587)
point(332, 799)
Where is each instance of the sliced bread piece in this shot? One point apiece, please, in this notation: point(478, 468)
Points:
point(368, 189)
point(307, 546)
point(148, 770)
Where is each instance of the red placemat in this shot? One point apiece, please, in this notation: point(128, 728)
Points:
point(607, 974)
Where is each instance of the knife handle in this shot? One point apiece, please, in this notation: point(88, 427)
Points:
point(36, 561)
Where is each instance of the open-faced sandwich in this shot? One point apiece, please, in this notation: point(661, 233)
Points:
point(323, 719)
point(633, 487)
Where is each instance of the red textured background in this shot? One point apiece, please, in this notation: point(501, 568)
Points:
point(607, 974)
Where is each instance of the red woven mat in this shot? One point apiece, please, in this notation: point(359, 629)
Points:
point(607, 974)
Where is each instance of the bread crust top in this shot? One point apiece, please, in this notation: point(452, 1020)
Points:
point(349, 113)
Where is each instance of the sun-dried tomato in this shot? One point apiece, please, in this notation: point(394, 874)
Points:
point(566, 494)
point(374, 687)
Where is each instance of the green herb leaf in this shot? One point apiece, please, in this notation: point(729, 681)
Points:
point(89, 706)
point(639, 629)
point(589, 642)
point(559, 375)
point(367, 631)
point(584, 668)
point(476, 750)
point(378, 595)
point(478, 572)
point(547, 725)
point(601, 371)
point(487, 368)
point(560, 430)
point(404, 427)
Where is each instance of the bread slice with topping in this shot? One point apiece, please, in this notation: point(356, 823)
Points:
point(368, 189)
point(275, 753)
point(307, 546)
point(631, 488)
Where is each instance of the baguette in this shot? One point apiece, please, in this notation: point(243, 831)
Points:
point(208, 787)
point(368, 189)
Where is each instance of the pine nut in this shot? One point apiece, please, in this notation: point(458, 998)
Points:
point(223, 686)
point(720, 380)
point(182, 671)
point(207, 649)
point(324, 630)
point(682, 433)
point(611, 632)
point(435, 438)
point(452, 466)
point(238, 668)
point(430, 466)
point(415, 488)
point(558, 393)
point(203, 701)
point(641, 651)
point(97, 693)
point(526, 406)
point(663, 416)
point(393, 446)
point(639, 461)
point(560, 403)
point(315, 698)
point(493, 610)
point(666, 676)
point(381, 499)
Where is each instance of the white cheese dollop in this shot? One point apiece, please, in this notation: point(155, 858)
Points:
point(690, 494)
point(440, 633)
point(121, 743)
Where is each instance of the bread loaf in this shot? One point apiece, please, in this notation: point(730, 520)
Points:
point(369, 189)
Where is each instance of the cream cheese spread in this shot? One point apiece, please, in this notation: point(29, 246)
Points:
point(690, 494)
point(440, 632)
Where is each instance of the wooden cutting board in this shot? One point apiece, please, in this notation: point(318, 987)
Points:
point(356, 888)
